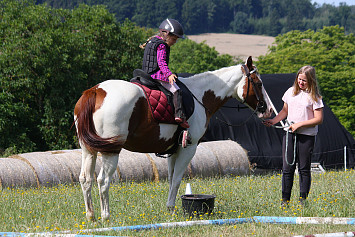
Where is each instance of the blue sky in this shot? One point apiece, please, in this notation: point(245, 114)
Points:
point(334, 2)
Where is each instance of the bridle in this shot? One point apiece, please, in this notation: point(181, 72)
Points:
point(260, 106)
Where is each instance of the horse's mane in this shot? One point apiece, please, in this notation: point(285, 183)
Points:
point(207, 73)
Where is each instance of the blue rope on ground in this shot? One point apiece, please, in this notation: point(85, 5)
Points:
point(255, 219)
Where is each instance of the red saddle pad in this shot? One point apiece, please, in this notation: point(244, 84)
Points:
point(161, 110)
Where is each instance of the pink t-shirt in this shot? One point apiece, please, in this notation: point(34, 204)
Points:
point(301, 108)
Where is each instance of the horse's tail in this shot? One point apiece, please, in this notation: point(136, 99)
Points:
point(85, 127)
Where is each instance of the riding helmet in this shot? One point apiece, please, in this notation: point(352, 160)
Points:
point(172, 26)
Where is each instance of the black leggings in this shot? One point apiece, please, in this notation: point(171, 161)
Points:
point(304, 150)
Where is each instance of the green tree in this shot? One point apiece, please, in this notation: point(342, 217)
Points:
point(241, 23)
point(332, 53)
point(48, 57)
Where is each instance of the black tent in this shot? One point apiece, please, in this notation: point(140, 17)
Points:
point(264, 144)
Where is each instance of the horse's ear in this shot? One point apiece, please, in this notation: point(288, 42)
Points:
point(249, 63)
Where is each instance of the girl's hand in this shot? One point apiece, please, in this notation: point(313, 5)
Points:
point(172, 78)
point(268, 122)
point(295, 126)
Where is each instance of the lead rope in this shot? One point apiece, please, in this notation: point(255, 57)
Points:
point(287, 125)
point(294, 148)
point(283, 126)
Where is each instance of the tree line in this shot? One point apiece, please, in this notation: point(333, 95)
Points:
point(49, 56)
point(260, 17)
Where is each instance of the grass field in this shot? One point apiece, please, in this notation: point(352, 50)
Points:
point(61, 208)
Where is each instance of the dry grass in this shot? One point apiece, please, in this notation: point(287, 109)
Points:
point(238, 45)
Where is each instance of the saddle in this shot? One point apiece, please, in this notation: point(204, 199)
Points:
point(160, 99)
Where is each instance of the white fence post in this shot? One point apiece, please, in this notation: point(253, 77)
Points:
point(345, 158)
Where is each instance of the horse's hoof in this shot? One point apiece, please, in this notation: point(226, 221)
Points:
point(91, 218)
point(105, 218)
point(171, 209)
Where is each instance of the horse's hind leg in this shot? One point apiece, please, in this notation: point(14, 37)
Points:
point(109, 165)
point(86, 177)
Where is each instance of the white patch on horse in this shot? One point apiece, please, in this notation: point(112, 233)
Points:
point(113, 116)
point(167, 131)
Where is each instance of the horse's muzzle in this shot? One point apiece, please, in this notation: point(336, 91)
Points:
point(261, 106)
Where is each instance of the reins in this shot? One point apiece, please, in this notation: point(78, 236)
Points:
point(237, 125)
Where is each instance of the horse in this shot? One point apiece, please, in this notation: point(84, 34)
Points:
point(115, 114)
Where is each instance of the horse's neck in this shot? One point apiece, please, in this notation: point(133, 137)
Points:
point(220, 83)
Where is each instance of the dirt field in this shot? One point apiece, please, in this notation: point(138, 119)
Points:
point(237, 45)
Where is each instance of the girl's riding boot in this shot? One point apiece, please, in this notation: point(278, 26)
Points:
point(179, 110)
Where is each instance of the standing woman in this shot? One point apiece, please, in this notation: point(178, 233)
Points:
point(303, 107)
point(156, 60)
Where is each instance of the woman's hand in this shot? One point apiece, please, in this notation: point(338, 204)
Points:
point(172, 78)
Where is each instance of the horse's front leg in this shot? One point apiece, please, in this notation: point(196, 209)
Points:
point(109, 165)
point(177, 167)
point(88, 162)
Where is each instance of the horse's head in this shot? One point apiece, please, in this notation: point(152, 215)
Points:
point(253, 91)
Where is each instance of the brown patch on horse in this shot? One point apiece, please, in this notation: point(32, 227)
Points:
point(89, 102)
point(100, 96)
point(210, 100)
point(144, 131)
point(98, 93)
point(250, 97)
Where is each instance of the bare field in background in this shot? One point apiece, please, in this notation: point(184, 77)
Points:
point(238, 45)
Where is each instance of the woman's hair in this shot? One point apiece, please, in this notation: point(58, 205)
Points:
point(313, 88)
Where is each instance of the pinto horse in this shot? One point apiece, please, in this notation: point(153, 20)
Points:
point(115, 114)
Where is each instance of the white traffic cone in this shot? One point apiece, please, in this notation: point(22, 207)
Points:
point(188, 188)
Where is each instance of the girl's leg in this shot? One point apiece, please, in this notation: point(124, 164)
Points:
point(305, 150)
point(177, 100)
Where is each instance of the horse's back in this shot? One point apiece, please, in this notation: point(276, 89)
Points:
point(119, 89)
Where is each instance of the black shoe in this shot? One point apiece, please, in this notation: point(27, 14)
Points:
point(284, 203)
point(302, 201)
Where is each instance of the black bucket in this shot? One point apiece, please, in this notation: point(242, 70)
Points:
point(197, 204)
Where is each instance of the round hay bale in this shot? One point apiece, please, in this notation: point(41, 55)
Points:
point(71, 161)
point(15, 172)
point(232, 158)
point(134, 166)
point(205, 162)
point(161, 167)
point(55, 167)
point(50, 169)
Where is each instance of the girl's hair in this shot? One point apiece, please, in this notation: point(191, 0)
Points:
point(142, 46)
point(162, 34)
point(313, 88)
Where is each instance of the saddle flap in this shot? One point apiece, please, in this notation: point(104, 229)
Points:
point(144, 79)
point(187, 99)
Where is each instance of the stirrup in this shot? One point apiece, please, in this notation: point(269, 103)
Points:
point(182, 123)
point(186, 140)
